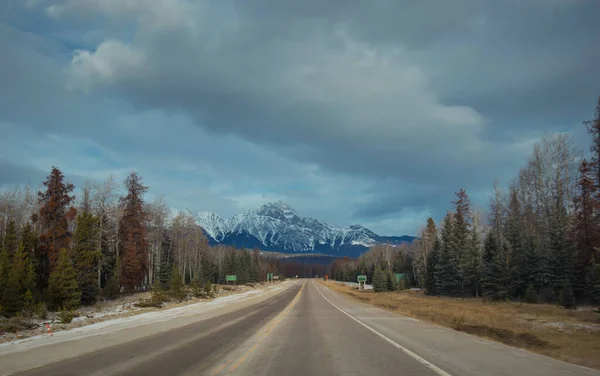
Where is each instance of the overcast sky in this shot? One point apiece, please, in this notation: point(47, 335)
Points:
point(352, 111)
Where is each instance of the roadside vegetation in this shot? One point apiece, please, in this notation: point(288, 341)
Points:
point(540, 242)
point(547, 329)
point(61, 255)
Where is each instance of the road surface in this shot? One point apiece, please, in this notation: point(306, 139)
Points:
point(305, 329)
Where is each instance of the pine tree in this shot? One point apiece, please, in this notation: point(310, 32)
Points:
point(176, 286)
point(392, 284)
point(473, 265)
point(5, 265)
point(55, 213)
point(379, 280)
point(166, 261)
point(461, 241)
point(447, 276)
point(586, 232)
point(87, 256)
point(495, 273)
point(432, 261)
point(519, 269)
point(13, 295)
point(11, 240)
point(133, 235)
point(561, 252)
point(63, 291)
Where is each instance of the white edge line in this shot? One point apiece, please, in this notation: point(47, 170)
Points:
point(433, 367)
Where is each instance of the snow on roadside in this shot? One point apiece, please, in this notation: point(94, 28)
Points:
point(355, 285)
point(125, 315)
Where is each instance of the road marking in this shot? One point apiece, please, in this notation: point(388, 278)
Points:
point(263, 333)
point(431, 366)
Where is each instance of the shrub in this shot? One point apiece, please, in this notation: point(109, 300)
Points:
point(208, 289)
point(16, 324)
point(177, 289)
point(158, 295)
point(197, 289)
point(66, 315)
point(41, 311)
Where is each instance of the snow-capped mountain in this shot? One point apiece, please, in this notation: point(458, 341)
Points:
point(278, 227)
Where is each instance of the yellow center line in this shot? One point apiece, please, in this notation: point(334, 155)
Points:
point(263, 334)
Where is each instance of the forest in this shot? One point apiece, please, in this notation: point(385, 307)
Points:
point(59, 252)
point(538, 242)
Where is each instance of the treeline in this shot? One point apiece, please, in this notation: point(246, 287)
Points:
point(540, 242)
point(62, 253)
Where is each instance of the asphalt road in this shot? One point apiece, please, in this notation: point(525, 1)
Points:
point(306, 330)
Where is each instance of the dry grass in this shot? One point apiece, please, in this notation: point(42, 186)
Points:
point(569, 335)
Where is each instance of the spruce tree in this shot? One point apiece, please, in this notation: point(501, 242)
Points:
point(447, 276)
point(133, 240)
point(55, 213)
point(63, 291)
point(11, 240)
point(392, 284)
point(432, 261)
point(87, 256)
point(166, 261)
point(519, 269)
point(5, 265)
point(495, 273)
point(379, 280)
point(176, 287)
point(473, 265)
point(13, 295)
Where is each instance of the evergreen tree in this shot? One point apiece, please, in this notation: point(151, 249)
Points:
point(586, 232)
point(432, 261)
point(11, 240)
point(519, 269)
point(63, 291)
point(461, 240)
point(495, 273)
point(473, 265)
point(255, 268)
point(447, 276)
point(392, 284)
point(379, 280)
point(5, 265)
point(13, 295)
point(176, 287)
point(87, 256)
point(55, 213)
point(133, 234)
point(166, 261)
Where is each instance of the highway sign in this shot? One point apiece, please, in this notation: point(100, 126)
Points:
point(362, 278)
point(230, 278)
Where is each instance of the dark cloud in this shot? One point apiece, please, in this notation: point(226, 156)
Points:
point(410, 100)
point(14, 174)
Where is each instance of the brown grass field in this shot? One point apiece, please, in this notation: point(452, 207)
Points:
point(569, 335)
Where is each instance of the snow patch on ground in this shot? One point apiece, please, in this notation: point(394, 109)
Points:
point(355, 285)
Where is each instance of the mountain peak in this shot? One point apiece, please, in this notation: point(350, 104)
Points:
point(278, 205)
point(276, 226)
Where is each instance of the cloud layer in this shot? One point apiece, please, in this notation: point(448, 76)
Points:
point(352, 111)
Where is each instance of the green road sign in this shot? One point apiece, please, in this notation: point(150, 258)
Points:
point(362, 278)
point(231, 277)
point(399, 277)
point(269, 277)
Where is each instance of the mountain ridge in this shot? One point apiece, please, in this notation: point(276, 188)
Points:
point(278, 227)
